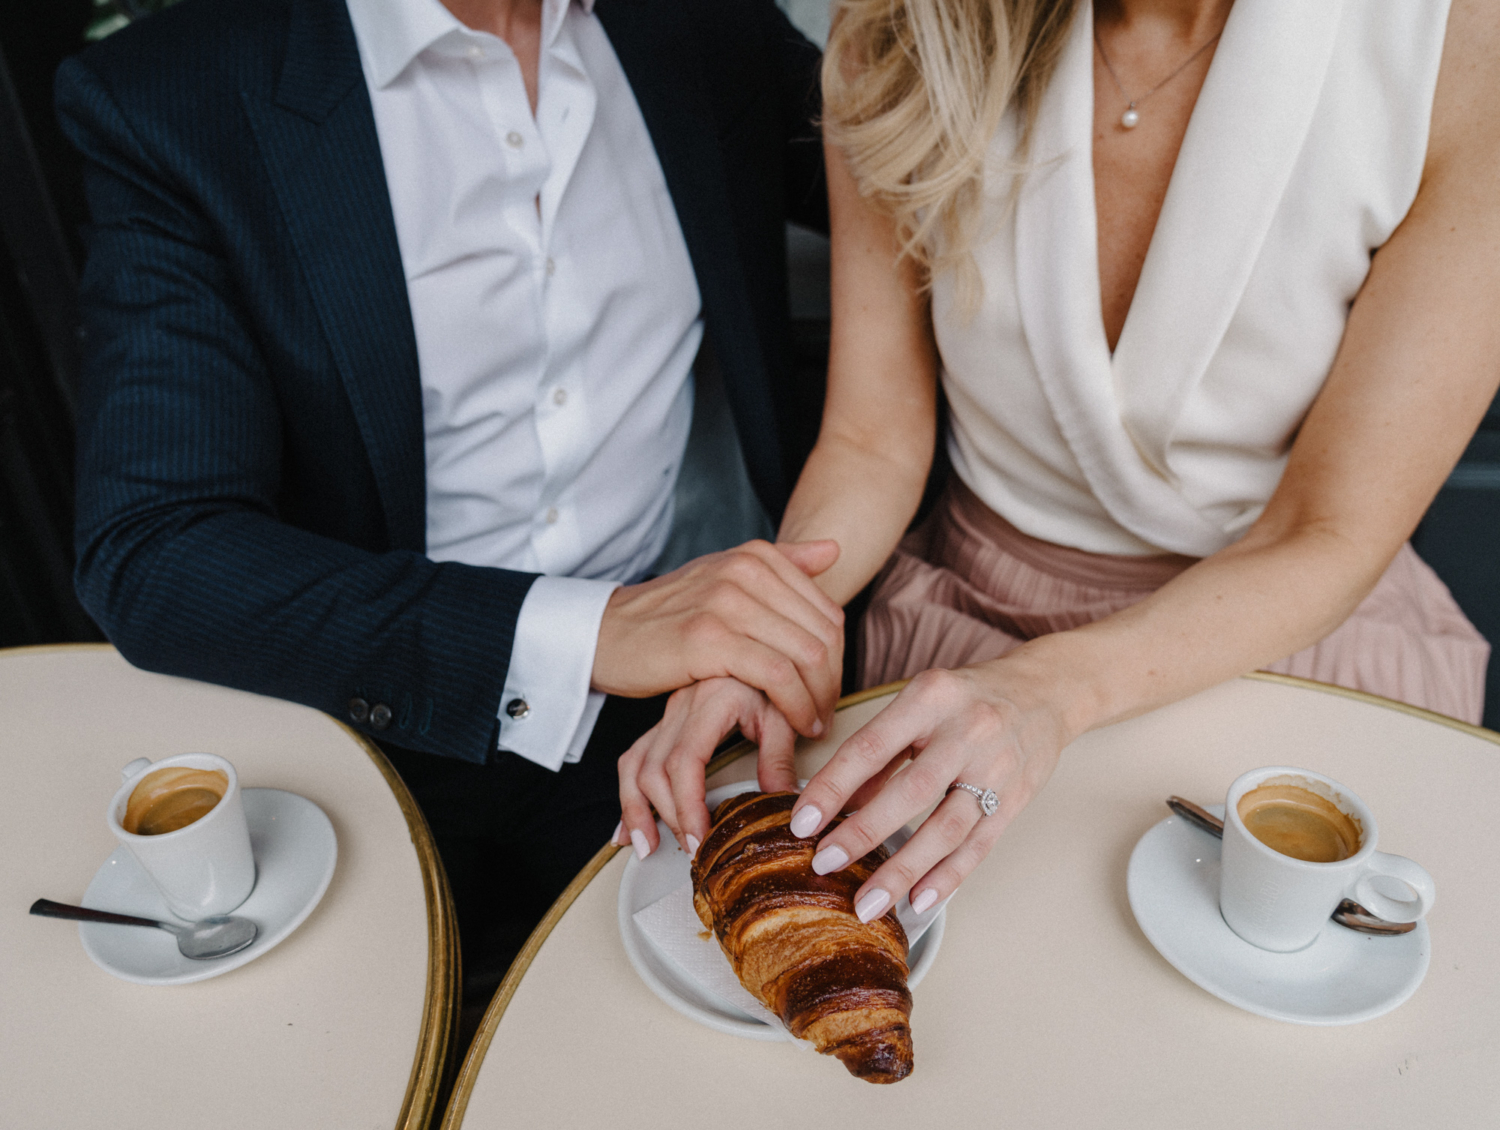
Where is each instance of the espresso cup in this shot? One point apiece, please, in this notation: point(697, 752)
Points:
point(183, 819)
point(1280, 897)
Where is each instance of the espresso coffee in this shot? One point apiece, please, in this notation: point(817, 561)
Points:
point(172, 798)
point(1299, 822)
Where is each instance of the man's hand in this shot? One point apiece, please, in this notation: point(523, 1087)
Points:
point(751, 613)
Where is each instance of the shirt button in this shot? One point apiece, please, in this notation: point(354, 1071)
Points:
point(359, 710)
point(476, 52)
point(514, 140)
point(560, 397)
point(551, 266)
point(518, 708)
point(551, 515)
point(380, 716)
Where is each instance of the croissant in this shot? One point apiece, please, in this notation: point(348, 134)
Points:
point(795, 943)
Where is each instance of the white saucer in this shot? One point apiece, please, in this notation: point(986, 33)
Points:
point(1342, 978)
point(667, 868)
point(295, 852)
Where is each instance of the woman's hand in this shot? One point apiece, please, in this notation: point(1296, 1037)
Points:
point(666, 766)
point(973, 725)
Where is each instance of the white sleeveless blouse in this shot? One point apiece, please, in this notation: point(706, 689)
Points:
point(1304, 152)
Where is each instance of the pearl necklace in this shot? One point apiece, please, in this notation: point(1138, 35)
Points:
point(1131, 117)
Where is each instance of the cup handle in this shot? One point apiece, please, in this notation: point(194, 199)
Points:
point(1412, 875)
point(139, 765)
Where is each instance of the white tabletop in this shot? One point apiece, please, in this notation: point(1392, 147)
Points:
point(1047, 1006)
point(345, 1024)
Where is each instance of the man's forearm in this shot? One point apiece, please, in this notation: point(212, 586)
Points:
point(240, 599)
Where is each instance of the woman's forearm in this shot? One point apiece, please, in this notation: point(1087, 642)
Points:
point(861, 499)
point(865, 476)
point(1245, 607)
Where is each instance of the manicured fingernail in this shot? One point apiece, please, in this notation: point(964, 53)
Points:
point(817, 727)
point(614, 837)
point(805, 821)
point(923, 902)
point(642, 848)
point(831, 858)
point(872, 905)
point(692, 843)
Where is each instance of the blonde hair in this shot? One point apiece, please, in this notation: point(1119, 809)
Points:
point(913, 92)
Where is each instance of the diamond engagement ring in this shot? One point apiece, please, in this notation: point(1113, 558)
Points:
point(987, 799)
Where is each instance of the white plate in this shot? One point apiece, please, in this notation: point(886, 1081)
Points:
point(295, 852)
point(666, 869)
point(1342, 978)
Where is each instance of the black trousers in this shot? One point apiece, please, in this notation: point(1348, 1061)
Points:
point(512, 834)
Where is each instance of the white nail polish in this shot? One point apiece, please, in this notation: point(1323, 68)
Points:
point(806, 820)
point(817, 728)
point(692, 843)
point(831, 858)
point(642, 848)
point(873, 905)
point(614, 837)
point(923, 902)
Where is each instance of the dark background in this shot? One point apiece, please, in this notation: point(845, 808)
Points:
point(41, 212)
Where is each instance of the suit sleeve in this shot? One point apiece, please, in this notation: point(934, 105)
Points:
point(183, 558)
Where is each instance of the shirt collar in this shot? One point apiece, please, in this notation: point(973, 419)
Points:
point(391, 33)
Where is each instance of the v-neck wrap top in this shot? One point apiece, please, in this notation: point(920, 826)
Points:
point(1303, 154)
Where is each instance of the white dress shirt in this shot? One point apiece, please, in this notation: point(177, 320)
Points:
point(557, 317)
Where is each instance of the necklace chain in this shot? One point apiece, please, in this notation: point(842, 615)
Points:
point(1131, 117)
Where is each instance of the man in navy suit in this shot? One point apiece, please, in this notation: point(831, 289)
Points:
point(391, 310)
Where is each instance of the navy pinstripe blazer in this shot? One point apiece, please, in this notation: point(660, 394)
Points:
point(251, 467)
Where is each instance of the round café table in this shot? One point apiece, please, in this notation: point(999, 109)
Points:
point(347, 1023)
point(1047, 1006)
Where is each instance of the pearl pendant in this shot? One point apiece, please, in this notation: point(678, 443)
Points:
point(1130, 119)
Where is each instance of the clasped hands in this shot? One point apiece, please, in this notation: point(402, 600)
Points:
point(984, 725)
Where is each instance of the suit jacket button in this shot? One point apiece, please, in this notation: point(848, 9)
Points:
point(359, 710)
point(518, 708)
point(380, 716)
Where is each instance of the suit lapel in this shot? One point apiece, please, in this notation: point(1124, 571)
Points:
point(663, 63)
point(317, 137)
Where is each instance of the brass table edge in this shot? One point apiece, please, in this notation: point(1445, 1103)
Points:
point(438, 1035)
point(463, 1088)
point(1377, 700)
point(468, 1075)
point(44, 647)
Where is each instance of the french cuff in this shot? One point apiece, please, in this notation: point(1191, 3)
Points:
point(547, 711)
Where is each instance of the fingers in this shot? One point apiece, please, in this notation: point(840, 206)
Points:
point(867, 792)
point(947, 827)
point(666, 767)
point(776, 769)
point(688, 757)
point(812, 557)
point(873, 749)
point(795, 564)
point(944, 878)
point(955, 734)
point(637, 824)
point(768, 670)
point(770, 600)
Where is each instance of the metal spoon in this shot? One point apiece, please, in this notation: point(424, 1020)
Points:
point(1348, 912)
point(202, 941)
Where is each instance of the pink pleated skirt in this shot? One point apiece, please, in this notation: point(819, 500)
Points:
point(967, 586)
